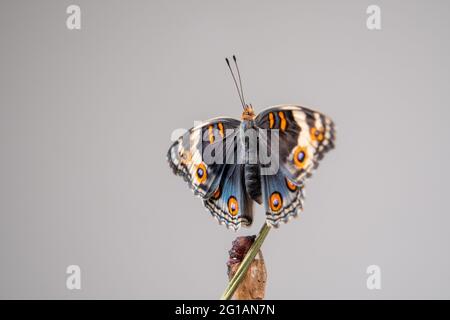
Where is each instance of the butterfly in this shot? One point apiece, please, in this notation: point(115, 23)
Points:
point(225, 160)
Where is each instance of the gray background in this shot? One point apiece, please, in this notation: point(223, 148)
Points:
point(86, 118)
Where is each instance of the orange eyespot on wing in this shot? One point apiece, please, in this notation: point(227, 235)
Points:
point(317, 134)
point(292, 187)
point(233, 206)
point(200, 173)
point(300, 156)
point(275, 202)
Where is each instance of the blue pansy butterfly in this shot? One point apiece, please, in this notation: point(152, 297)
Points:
point(223, 160)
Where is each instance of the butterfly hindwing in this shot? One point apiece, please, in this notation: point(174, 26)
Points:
point(282, 198)
point(187, 158)
point(230, 203)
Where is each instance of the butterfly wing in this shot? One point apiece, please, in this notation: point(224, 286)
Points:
point(230, 204)
point(221, 184)
point(186, 156)
point(304, 137)
point(282, 198)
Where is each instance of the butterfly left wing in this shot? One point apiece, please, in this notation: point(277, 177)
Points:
point(220, 185)
point(304, 137)
point(230, 204)
point(186, 156)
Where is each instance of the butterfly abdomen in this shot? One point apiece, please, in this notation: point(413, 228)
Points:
point(249, 140)
point(253, 182)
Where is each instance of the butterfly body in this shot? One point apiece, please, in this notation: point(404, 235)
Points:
point(251, 168)
point(265, 159)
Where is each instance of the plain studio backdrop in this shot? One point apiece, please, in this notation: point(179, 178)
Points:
point(87, 116)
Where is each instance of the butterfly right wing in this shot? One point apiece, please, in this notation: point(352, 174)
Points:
point(305, 136)
point(282, 198)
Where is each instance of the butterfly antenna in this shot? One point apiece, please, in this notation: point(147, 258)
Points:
point(235, 82)
point(240, 81)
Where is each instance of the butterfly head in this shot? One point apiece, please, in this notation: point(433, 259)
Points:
point(248, 113)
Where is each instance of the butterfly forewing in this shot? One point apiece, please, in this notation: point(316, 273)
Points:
point(305, 136)
point(187, 158)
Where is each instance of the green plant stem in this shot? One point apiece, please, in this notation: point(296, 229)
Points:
point(245, 264)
